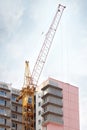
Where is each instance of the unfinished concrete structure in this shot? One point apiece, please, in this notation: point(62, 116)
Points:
point(60, 106)
point(56, 108)
point(10, 110)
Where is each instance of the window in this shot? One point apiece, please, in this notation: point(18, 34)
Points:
point(2, 121)
point(39, 104)
point(13, 97)
point(14, 107)
point(39, 112)
point(45, 109)
point(14, 116)
point(14, 125)
point(5, 103)
point(34, 98)
point(2, 102)
point(39, 122)
point(30, 100)
point(5, 121)
point(2, 128)
point(2, 111)
point(45, 99)
point(45, 117)
point(2, 93)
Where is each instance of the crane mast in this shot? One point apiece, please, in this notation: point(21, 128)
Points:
point(30, 81)
point(27, 96)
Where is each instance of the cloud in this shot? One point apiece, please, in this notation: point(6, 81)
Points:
point(11, 12)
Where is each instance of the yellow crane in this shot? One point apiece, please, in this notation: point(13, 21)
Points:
point(30, 80)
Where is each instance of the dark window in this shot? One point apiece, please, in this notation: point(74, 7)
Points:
point(14, 125)
point(5, 103)
point(14, 97)
point(45, 99)
point(39, 112)
point(39, 122)
point(45, 108)
point(16, 108)
point(5, 121)
point(45, 117)
point(14, 116)
point(39, 104)
point(30, 100)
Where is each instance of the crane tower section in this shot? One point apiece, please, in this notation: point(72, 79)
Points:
point(46, 45)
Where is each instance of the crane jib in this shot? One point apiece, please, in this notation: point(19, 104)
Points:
point(46, 45)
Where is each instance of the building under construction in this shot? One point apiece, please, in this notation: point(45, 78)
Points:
point(52, 105)
point(10, 110)
point(56, 107)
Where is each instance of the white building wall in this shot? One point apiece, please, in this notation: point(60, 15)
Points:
point(38, 110)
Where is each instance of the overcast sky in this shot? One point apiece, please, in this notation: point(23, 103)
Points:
point(21, 25)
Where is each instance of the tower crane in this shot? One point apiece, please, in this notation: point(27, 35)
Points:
point(30, 80)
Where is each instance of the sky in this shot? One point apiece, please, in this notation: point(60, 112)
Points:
point(23, 26)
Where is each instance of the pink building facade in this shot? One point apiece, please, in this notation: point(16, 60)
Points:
point(70, 107)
